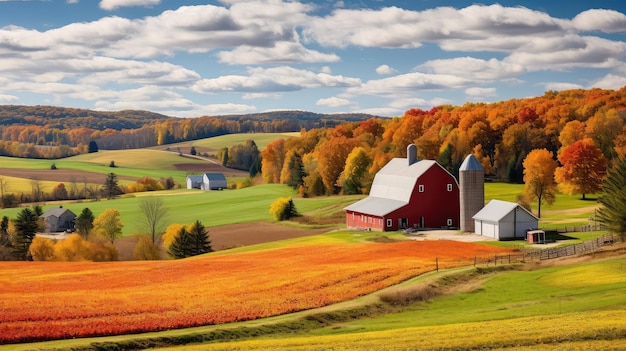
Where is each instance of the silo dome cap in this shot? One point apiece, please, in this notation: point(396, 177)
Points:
point(471, 164)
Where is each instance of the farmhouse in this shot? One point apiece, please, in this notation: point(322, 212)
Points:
point(408, 193)
point(58, 219)
point(207, 181)
point(504, 220)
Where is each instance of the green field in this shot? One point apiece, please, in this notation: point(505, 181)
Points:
point(216, 143)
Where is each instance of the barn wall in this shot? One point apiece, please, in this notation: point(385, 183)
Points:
point(355, 220)
point(436, 204)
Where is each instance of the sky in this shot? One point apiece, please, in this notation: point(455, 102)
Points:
point(188, 58)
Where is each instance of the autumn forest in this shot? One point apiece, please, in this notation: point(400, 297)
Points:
point(342, 153)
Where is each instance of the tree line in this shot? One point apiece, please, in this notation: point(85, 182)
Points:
point(56, 132)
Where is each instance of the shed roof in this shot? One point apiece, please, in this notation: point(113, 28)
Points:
point(471, 164)
point(56, 212)
point(195, 178)
point(214, 176)
point(496, 210)
point(375, 206)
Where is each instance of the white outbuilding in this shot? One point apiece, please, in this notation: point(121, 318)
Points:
point(504, 220)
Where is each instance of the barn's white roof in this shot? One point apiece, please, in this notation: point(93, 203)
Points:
point(496, 210)
point(392, 187)
point(397, 179)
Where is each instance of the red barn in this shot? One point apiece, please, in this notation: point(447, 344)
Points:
point(408, 193)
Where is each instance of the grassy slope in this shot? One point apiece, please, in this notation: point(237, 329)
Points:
point(215, 143)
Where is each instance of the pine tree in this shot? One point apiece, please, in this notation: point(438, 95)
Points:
point(26, 226)
point(612, 213)
point(93, 147)
point(84, 223)
point(190, 242)
point(111, 187)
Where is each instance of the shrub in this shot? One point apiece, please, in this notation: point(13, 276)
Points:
point(283, 209)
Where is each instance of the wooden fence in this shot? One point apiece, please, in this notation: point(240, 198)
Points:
point(556, 252)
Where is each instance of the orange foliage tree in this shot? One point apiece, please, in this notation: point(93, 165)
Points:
point(584, 167)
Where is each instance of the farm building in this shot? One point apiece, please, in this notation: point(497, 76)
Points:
point(194, 182)
point(58, 219)
point(207, 181)
point(408, 193)
point(504, 220)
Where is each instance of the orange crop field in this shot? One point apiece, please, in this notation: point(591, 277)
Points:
point(55, 300)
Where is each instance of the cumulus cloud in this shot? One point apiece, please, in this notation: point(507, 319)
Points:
point(275, 79)
point(610, 81)
point(333, 102)
point(111, 5)
point(608, 21)
point(558, 86)
point(473, 68)
point(385, 70)
point(281, 53)
point(8, 98)
point(409, 82)
point(480, 92)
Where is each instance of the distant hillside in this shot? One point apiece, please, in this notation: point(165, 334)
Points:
point(67, 131)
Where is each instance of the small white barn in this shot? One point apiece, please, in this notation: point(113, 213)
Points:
point(504, 220)
point(58, 219)
point(213, 181)
point(194, 182)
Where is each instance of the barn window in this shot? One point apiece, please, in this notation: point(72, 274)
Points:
point(449, 187)
point(420, 188)
point(449, 222)
point(389, 222)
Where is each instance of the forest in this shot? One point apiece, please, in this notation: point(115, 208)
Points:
point(56, 132)
point(569, 126)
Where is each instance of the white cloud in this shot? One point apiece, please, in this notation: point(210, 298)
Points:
point(473, 68)
point(480, 92)
point(281, 53)
point(608, 21)
point(111, 5)
point(385, 70)
point(275, 79)
point(610, 81)
point(8, 98)
point(558, 86)
point(251, 96)
point(409, 82)
point(333, 102)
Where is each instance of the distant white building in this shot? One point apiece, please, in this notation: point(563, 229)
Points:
point(207, 181)
point(504, 220)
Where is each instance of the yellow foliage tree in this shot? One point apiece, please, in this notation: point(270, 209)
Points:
point(170, 234)
point(283, 209)
point(108, 224)
point(146, 249)
point(539, 184)
point(42, 249)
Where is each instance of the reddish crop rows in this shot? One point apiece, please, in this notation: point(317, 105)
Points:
point(46, 300)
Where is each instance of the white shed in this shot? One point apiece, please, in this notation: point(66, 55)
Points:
point(194, 182)
point(504, 220)
point(213, 181)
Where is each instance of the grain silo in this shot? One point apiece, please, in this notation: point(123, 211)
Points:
point(471, 191)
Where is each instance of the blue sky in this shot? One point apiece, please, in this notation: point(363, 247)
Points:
point(196, 58)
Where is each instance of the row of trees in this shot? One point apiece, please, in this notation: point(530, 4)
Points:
point(95, 236)
point(501, 135)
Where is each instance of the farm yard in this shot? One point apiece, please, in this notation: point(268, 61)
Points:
point(337, 286)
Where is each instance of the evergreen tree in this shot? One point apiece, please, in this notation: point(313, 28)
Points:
point(4, 231)
point(111, 187)
point(612, 213)
point(26, 226)
point(193, 151)
point(192, 242)
point(84, 223)
point(93, 147)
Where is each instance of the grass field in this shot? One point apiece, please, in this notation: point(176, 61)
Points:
point(211, 145)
